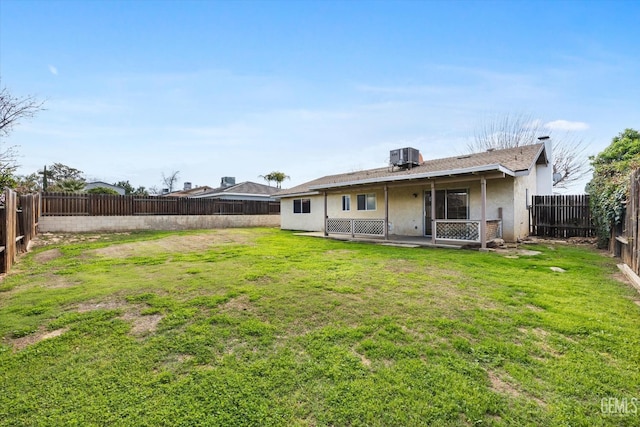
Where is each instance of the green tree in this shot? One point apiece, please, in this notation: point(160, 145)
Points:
point(131, 190)
point(609, 187)
point(102, 190)
point(275, 176)
point(26, 184)
point(61, 177)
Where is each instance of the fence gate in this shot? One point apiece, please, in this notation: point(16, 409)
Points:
point(561, 216)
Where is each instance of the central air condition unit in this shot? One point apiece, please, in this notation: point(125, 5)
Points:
point(405, 157)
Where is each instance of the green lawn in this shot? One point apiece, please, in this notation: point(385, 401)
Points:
point(262, 327)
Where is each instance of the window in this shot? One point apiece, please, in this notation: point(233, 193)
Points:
point(367, 202)
point(346, 203)
point(301, 205)
point(457, 204)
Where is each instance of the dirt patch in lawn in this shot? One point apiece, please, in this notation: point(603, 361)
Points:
point(502, 386)
point(47, 256)
point(241, 303)
point(176, 244)
point(46, 239)
point(36, 337)
point(141, 325)
point(108, 305)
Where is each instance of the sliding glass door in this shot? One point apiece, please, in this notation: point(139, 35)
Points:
point(450, 204)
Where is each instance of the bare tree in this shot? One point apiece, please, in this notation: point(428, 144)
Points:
point(515, 130)
point(12, 110)
point(170, 180)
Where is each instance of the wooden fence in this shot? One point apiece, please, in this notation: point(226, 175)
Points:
point(561, 216)
point(624, 242)
point(66, 204)
point(18, 225)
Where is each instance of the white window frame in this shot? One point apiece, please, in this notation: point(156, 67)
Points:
point(346, 202)
point(370, 202)
point(302, 203)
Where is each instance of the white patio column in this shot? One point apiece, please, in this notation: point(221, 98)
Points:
point(433, 212)
point(483, 220)
point(386, 212)
point(326, 218)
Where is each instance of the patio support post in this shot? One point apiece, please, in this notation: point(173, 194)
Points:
point(326, 218)
point(483, 221)
point(433, 212)
point(386, 212)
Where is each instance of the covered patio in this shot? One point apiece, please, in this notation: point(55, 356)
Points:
point(444, 232)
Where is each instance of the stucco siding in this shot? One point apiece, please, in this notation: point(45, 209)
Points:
point(313, 221)
point(506, 199)
point(524, 188)
point(406, 211)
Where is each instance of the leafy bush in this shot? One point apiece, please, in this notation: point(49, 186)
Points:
point(609, 187)
point(102, 190)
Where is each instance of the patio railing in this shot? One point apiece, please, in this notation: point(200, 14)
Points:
point(463, 230)
point(466, 230)
point(364, 227)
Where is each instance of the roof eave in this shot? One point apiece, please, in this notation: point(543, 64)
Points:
point(298, 194)
point(424, 175)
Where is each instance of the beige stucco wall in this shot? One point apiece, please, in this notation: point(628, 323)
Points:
point(313, 221)
point(80, 224)
point(406, 206)
point(524, 188)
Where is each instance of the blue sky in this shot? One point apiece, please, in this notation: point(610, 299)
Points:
point(138, 88)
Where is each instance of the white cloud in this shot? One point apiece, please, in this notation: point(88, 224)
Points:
point(53, 70)
point(566, 125)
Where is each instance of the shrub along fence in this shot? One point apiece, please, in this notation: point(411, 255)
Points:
point(70, 204)
point(561, 216)
point(18, 225)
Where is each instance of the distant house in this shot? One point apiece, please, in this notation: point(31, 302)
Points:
point(189, 191)
point(247, 190)
point(469, 198)
point(101, 184)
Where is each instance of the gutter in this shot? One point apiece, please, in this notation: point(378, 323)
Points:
point(424, 175)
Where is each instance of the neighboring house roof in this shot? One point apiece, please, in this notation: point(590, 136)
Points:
point(511, 161)
point(189, 193)
point(102, 184)
point(243, 189)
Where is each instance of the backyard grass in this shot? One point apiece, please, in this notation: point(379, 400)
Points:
point(262, 327)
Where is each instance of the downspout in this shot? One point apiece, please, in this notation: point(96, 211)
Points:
point(483, 221)
point(433, 212)
point(326, 218)
point(386, 212)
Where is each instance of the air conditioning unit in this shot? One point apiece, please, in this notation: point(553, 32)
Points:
point(404, 157)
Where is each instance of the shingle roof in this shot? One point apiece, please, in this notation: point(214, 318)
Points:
point(246, 187)
point(189, 193)
point(510, 161)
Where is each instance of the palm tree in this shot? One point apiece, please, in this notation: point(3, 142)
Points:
point(276, 176)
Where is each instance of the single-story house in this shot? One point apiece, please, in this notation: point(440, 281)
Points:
point(100, 184)
point(188, 191)
point(247, 190)
point(468, 198)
